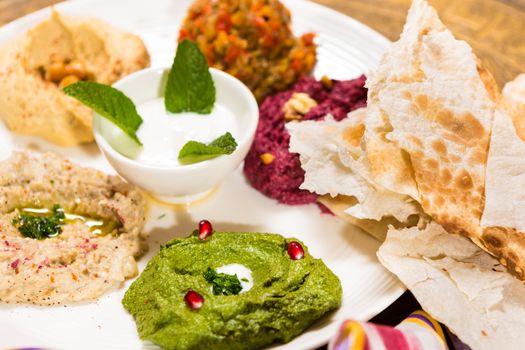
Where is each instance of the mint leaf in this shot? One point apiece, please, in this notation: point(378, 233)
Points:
point(41, 227)
point(223, 283)
point(190, 87)
point(195, 152)
point(110, 103)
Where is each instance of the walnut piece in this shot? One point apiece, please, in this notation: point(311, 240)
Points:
point(298, 106)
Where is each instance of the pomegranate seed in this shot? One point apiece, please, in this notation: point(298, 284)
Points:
point(295, 250)
point(194, 300)
point(15, 263)
point(205, 229)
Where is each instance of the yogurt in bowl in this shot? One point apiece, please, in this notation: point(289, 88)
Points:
point(164, 134)
point(155, 166)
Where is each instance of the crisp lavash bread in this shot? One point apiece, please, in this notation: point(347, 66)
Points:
point(389, 165)
point(503, 217)
point(441, 116)
point(459, 284)
point(376, 228)
point(330, 153)
point(31, 105)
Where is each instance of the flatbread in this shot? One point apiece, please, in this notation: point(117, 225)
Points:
point(503, 220)
point(340, 206)
point(440, 106)
point(505, 205)
point(318, 144)
point(389, 164)
point(514, 91)
point(459, 285)
point(330, 153)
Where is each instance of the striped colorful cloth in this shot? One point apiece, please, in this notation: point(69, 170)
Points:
point(417, 332)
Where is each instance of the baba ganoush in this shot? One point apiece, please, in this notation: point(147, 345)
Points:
point(57, 52)
point(230, 291)
point(81, 261)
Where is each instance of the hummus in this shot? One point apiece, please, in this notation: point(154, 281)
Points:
point(285, 298)
point(78, 264)
point(57, 52)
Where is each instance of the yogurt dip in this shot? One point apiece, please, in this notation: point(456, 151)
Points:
point(235, 111)
point(163, 134)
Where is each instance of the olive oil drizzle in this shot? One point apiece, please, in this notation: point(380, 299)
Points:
point(40, 227)
point(99, 227)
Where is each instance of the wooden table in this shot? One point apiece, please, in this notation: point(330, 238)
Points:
point(493, 27)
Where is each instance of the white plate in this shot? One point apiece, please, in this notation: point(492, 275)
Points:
point(347, 49)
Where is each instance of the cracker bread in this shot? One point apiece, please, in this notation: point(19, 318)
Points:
point(442, 118)
point(427, 132)
point(459, 285)
point(441, 114)
point(331, 155)
point(376, 228)
point(502, 220)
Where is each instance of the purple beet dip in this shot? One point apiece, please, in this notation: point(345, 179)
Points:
point(281, 178)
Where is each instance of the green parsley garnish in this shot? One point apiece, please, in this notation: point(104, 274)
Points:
point(190, 87)
point(194, 151)
point(39, 227)
point(110, 103)
point(223, 283)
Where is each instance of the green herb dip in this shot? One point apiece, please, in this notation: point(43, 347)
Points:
point(286, 298)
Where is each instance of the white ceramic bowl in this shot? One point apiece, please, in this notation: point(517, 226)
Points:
point(188, 182)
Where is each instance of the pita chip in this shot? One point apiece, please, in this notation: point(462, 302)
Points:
point(458, 284)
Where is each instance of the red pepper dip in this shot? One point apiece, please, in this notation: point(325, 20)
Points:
point(269, 167)
point(252, 40)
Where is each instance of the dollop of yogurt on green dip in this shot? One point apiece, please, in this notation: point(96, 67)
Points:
point(282, 299)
